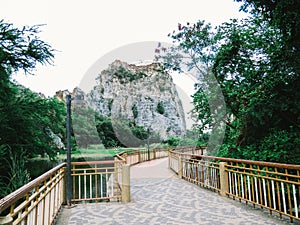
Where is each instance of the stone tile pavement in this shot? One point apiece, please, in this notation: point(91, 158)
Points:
point(159, 197)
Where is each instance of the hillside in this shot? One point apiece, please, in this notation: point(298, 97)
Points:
point(145, 95)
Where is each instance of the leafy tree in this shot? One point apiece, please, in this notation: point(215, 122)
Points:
point(84, 126)
point(123, 133)
point(140, 132)
point(20, 49)
point(172, 141)
point(259, 83)
point(26, 118)
point(106, 132)
point(194, 51)
point(284, 15)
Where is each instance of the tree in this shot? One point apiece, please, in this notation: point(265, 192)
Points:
point(123, 133)
point(194, 52)
point(260, 87)
point(106, 132)
point(259, 83)
point(282, 14)
point(22, 48)
point(26, 118)
point(84, 126)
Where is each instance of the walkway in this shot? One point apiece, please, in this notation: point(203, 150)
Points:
point(159, 197)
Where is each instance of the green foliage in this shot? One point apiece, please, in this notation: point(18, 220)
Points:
point(278, 146)
point(285, 15)
point(160, 108)
point(106, 132)
point(192, 138)
point(124, 75)
point(22, 49)
point(123, 133)
point(250, 60)
point(16, 173)
point(84, 127)
point(135, 111)
point(140, 132)
point(28, 121)
point(172, 141)
point(203, 139)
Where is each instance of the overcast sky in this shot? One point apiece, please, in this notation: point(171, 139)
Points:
point(84, 31)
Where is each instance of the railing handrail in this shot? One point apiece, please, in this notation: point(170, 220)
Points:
point(118, 155)
point(8, 200)
point(253, 162)
point(104, 162)
point(270, 185)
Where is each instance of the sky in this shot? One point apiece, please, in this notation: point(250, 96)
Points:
point(83, 32)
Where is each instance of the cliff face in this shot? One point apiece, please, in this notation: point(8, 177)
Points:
point(145, 95)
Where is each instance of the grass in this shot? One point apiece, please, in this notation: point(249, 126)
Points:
point(94, 152)
point(90, 153)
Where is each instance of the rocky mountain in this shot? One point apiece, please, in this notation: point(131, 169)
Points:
point(144, 95)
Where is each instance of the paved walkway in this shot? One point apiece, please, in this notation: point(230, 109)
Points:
point(159, 197)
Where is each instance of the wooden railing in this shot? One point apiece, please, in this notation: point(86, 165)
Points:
point(38, 202)
point(273, 186)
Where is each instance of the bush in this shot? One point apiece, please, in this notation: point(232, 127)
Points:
point(135, 111)
point(280, 146)
point(160, 108)
point(172, 141)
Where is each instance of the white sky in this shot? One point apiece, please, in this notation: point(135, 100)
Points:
point(84, 31)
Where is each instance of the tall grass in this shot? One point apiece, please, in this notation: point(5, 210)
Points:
point(17, 175)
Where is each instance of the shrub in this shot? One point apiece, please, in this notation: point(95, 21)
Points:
point(160, 108)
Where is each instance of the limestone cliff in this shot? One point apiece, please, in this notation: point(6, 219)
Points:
point(143, 94)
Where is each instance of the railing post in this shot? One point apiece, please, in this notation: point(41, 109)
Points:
point(65, 186)
point(69, 176)
point(6, 220)
point(139, 156)
point(126, 183)
point(179, 166)
point(169, 159)
point(116, 170)
point(223, 179)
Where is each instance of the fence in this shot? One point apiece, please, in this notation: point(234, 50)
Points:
point(96, 181)
point(38, 202)
point(141, 155)
point(273, 186)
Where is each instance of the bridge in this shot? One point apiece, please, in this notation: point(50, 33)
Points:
point(178, 186)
